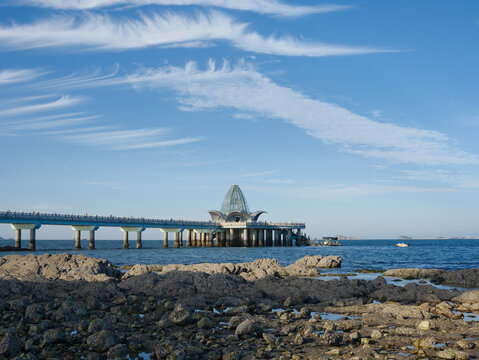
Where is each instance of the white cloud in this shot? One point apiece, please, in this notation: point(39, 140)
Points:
point(455, 179)
point(61, 102)
point(271, 7)
point(243, 88)
point(102, 32)
point(10, 76)
point(127, 139)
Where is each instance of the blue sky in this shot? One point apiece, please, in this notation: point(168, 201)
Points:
point(358, 117)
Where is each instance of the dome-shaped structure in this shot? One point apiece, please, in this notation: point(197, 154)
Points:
point(234, 201)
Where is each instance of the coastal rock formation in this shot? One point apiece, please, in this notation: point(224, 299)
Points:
point(184, 314)
point(413, 273)
point(56, 267)
point(466, 278)
point(260, 268)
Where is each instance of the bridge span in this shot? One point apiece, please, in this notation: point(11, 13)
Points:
point(198, 233)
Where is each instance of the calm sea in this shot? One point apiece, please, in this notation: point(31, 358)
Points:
point(357, 254)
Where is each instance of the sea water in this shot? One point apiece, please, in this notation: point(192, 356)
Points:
point(356, 254)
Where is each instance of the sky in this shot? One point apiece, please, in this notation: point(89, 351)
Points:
point(358, 118)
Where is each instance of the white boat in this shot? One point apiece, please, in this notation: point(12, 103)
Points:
point(402, 245)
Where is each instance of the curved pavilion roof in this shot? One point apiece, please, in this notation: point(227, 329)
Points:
point(234, 201)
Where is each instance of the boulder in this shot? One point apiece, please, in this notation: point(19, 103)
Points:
point(102, 341)
point(181, 315)
point(9, 345)
point(330, 261)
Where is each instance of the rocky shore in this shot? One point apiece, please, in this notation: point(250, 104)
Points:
point(72, 307)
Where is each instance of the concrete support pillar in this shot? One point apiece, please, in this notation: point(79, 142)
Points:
point(254, 238)
point(181, 238)
point(290, 237)
point(269, 237)
point(32, 239)
point(277, 237)
point(203, 240)
point(246, 241)
point(18, 238)
point(165, 239)
point(260, 237)
point(91, 244)
point(176, 244)
point(210, 240)
point(77, 239)
point(125, 240)
point(189, 234)
point(228, 237)
point(298, 238)
point(195, 239)
point(139, 245)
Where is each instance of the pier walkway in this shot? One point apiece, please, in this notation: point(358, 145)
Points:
point(198, 233)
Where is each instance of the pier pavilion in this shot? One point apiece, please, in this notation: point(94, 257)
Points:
point(233, 225)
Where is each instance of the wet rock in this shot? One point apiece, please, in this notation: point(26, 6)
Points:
point(355, 337)
point(468, 297)
point(102, 341)
point(181, 315)
point(298, 339)
point(234, 322)
point(9, 345)
point(467, 278)
point(270, 339)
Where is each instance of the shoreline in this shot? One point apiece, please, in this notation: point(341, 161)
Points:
point(69, 306)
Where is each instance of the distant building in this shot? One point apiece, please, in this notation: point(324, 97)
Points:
point(240, 227)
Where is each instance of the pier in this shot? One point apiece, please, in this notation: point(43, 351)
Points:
point(233, 226)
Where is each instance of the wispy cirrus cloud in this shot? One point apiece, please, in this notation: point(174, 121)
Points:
point(243, 88)
point(11, 76)
point(127, 139)
point(60, 102)
point(455, 179)
point(270, 7)
point(103, 32)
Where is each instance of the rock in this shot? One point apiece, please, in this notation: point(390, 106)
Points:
point(54, 336)
point(376, 334)
point(330, 261)
point(298, 339)
point(234, 322)
point(119, 351)
point(56, 267)
point(331, 338)
point(465, 344)
point(288, 302)
point(467, 297)
point(206, 323)
point(355, 337)
point(35, 313)
point(136, 270)
point(467, 278)
point(452, 354)
point(426, 343)
point(306, 266)
point(102, 341)
point(425, 325)
point(413, 273)
point(181, 315)
point(96, 325)
point(270, 339)
point(246, 327)
point(9, 345)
